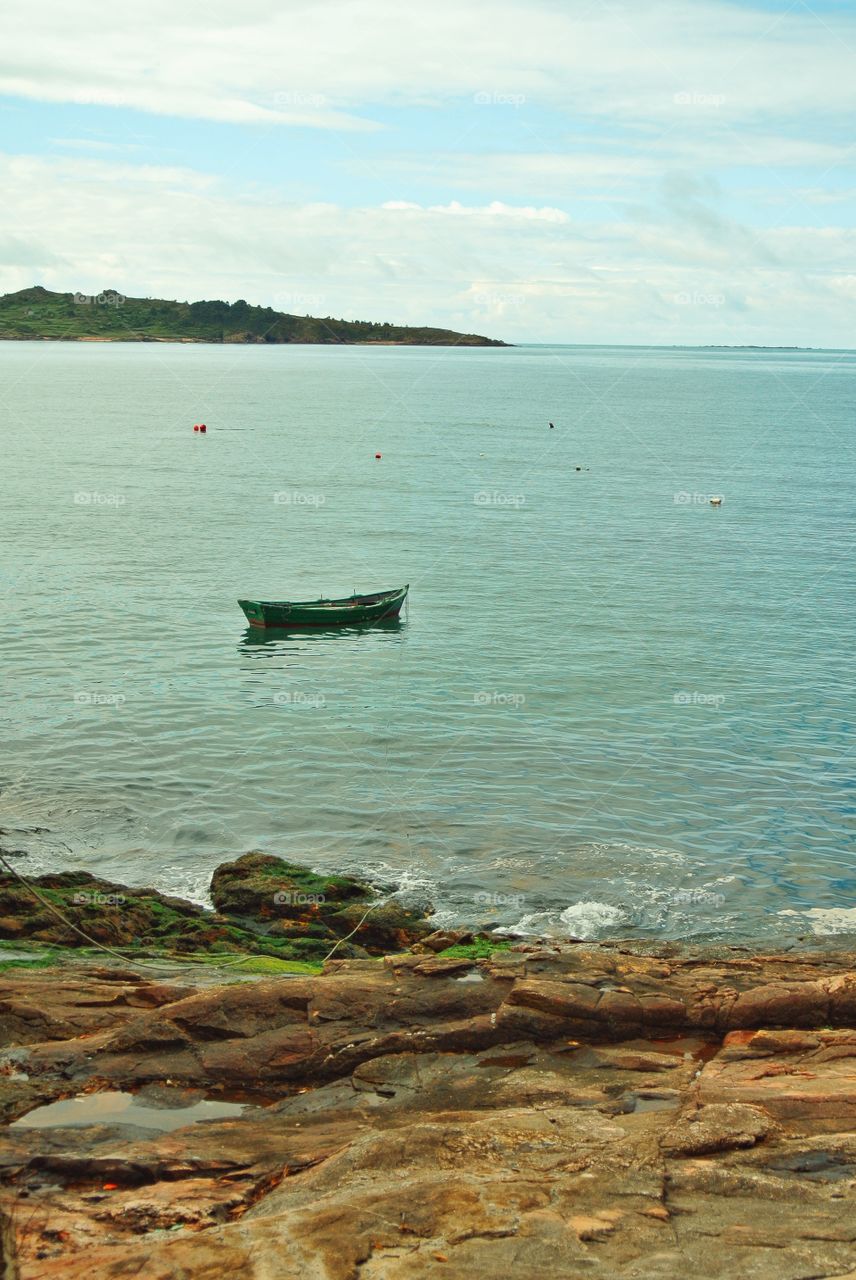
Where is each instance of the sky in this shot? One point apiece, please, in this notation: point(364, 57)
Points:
point(534, 170)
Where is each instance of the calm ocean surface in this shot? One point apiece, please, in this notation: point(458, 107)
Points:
point(611, 708)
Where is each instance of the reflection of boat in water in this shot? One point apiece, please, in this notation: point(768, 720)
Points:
point(296, 615)
point(293, 635)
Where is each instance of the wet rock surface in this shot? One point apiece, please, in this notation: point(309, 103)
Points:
point(263, 906)
point(576, 1111)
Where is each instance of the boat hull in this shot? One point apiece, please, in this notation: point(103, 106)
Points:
point(355, 611)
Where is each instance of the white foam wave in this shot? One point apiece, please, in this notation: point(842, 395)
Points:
point(587, 919)
point(636, 850)
point(535, 924)
point(407, 886)
point(825, 921)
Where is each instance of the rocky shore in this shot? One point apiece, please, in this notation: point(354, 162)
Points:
point(544, 1111)
point(265, 908)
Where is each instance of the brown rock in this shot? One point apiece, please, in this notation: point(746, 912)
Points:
point(779, 1004)
point(717, 1127)
point(562, 1000)
point(439, 966)
point(443, 938)
point(417, 1125)
point(790, 1075)
point(590, 1227)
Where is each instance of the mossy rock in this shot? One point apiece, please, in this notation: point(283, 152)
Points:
point(108, 913)
point(481, 948)
point(262, 887)
point(300, 929)
point(387, 927)
point(265, 906)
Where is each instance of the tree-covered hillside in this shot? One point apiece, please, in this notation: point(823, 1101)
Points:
point(38, 313)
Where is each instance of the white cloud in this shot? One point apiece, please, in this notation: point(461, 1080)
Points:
point(31, 170)
point(817, 195)
point(496, 209)
point(665, 62)
point(666, 118)
point(678, 276)
point(619, 171)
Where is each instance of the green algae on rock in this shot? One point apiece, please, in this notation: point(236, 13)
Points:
point(266, 887)
point(295, 903)
point(265, 906)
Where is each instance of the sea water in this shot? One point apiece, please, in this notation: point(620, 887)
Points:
point(611, 708)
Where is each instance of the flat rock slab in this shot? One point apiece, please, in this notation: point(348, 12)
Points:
point(583, 1112)
point(794, 1075)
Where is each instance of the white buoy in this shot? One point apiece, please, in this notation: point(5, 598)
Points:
point(716, 502)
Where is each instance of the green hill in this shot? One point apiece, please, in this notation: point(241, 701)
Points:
point(111, 317)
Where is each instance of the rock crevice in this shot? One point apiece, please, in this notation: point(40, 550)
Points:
point(580, 1110)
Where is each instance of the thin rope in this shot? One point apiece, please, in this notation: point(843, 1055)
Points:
point(144, 964)
point(154, 964)
point(351, 934)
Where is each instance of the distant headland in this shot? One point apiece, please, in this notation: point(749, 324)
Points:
point(112, 317)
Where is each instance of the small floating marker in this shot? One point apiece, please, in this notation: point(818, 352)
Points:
point(577, 468)
point(196, 426)
point(716, 502)
point(202, 427)
point(552, 427)
point(378, 457)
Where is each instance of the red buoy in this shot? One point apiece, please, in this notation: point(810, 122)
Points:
point(377, 455)
point(196, 426)
point(202, 427)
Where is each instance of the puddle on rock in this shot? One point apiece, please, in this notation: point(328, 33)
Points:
point(123, 1108)
point(682, 1046)
point(820, 1166)
point(510, 1060)
point(650, 1100)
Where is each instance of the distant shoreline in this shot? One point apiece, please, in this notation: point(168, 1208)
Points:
point(141, 339)
point(37, 314)
point(212, 342)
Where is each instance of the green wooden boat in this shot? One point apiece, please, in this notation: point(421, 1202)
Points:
point(354, 611)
